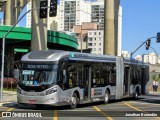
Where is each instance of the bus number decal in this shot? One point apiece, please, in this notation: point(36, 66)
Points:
point(96, 92)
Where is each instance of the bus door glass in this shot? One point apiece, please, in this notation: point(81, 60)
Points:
point(126, 80)
point(86, 81)
point(143, 80)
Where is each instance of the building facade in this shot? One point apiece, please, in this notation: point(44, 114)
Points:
point(96, 41)
point(97, 16)
point(138, 57)
point(76, 12)
point(29, 15)
point(151, 58)
point(126, 54)
point(52, 22)
point(73, 12)
point(81, 33)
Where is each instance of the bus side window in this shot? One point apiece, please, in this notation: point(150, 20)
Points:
point(62, 82)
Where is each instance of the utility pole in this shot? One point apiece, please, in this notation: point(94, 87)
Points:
point(39, 28)
point(13, 9)
point(111, 26)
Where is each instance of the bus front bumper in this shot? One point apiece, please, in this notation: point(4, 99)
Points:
point(52, 99)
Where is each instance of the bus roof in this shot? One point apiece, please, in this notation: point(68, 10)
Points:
point(55, 55)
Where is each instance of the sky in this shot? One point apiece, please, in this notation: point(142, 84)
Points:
point(140, 20)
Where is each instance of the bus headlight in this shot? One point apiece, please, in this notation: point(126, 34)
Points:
point(52, 90)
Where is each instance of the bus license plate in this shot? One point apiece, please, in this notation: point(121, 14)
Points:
point(32, 101)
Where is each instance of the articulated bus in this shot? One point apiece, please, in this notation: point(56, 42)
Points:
point(56, 77)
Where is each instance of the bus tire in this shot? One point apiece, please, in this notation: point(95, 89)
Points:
point(106, 97)
point(74, 101)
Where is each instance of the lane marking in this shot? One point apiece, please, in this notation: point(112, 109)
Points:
point(10, 109)
point(134, 102)
point(107, 116)
point(55, 116)
point(134, 108)
point(139, 109)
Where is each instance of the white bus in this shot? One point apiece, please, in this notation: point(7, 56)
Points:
point(57, 77)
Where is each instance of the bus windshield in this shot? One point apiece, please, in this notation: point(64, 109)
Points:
point(38, 77)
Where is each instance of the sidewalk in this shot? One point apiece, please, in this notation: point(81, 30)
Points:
point(154, 93)
point(9, 97)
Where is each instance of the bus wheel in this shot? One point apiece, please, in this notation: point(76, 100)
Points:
point(106, 97)
point(74, 100)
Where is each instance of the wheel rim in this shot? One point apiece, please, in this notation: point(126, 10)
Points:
point(106, 97)
point(136, 95)
point(74, 100)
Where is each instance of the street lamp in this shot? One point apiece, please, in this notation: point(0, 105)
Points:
point(156, 53)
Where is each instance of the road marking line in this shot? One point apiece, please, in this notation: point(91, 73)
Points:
point(134, 108)
point(10, 109)
point(55, 117)
point(139, 109)
point(107, 116)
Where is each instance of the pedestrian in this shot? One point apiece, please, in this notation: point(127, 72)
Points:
point(156, 85)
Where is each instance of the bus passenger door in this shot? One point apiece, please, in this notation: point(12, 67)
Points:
point(127, 81)
point(143, 80)
point(87, 82)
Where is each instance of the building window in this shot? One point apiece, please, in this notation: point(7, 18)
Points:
point(89, 44)
point(89, 39)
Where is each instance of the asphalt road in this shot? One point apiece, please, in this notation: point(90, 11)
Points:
point(146, 107)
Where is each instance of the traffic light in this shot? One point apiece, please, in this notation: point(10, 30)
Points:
point(43, 9)
point(53, 8)
point(148, 42)
point(158, 37)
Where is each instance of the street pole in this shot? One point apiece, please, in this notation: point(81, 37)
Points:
point(81, 38)
point(140, 46)
point(137, 48)
point(2, 68)
point(3, 50)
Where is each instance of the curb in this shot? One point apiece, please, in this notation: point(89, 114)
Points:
point(8, 104)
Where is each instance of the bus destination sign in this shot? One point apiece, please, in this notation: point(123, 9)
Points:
point(36, 66)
